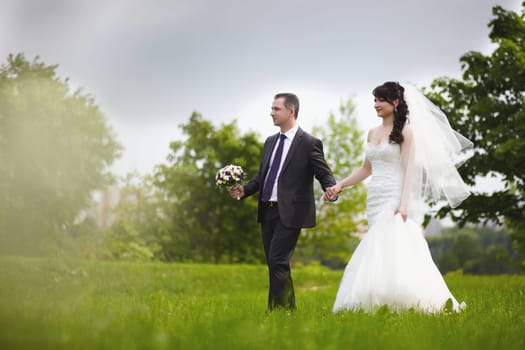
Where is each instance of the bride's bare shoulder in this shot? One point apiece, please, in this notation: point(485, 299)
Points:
point(371, 132)
point(407, 131)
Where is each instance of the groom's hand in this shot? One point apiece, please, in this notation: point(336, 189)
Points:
point(330, 194)
point(237, 191)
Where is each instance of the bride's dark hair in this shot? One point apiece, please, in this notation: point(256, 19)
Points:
point(391, 91)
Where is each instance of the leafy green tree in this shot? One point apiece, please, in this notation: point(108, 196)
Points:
point(333, 239)
point(55, 148)
point(208, 225)
point(486, 106)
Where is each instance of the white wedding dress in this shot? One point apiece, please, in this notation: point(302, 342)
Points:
point(392, 264)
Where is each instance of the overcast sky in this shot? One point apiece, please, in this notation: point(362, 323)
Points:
point(149, 63)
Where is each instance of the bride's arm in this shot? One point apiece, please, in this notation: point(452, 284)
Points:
point(407, 164)
point(357, 176)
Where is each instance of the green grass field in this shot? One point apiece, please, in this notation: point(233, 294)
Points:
point(57, 304)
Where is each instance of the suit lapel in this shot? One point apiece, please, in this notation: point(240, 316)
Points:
point(268, 155)
point(293, 147)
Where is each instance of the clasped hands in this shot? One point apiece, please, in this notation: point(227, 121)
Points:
point(332, 193)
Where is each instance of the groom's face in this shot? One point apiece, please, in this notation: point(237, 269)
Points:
point(280, 114)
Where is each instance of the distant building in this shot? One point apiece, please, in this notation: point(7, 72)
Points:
point(105, 206)
point(104, 203)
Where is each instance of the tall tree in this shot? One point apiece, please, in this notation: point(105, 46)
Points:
point(486, 106)
point(55, 148)
point(334, 237)
point(207, 225)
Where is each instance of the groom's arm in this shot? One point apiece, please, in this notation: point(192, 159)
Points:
point(239, 191)
point(321, 170)
point(253, 185)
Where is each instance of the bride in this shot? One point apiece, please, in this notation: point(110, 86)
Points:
point(409, 159)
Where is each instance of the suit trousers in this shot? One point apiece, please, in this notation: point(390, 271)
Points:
point(279, 243)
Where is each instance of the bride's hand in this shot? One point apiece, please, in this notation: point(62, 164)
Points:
point(401, 212)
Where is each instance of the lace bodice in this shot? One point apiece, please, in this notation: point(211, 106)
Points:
point(385, 185)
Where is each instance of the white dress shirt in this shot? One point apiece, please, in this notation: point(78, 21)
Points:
point(290, 134)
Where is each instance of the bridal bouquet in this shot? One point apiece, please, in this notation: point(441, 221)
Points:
point(229, 176)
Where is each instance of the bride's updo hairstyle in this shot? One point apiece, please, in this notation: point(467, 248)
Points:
point(391, 91)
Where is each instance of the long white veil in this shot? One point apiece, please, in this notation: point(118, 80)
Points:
point(437, 152)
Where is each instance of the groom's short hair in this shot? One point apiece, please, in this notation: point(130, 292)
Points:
point(290, 101)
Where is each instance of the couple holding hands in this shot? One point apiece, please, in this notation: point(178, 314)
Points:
point(409, 161)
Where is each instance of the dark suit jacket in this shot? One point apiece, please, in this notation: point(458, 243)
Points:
point(295, 191)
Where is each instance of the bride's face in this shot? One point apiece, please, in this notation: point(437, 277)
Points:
point(383, 107)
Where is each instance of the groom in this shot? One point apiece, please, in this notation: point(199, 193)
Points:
point(290, 160)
